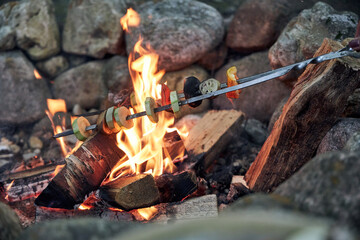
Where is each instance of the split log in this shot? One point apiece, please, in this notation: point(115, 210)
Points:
point(316, 102)
point(132, 192)
point(143, 190)
point(85, 169)
point(211, 134)
point(194, 208)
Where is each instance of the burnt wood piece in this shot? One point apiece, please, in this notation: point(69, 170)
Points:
point(143, 190)
point(30, 172)
point(212, 134)
point(316, 102)
point(174, 188)
point(194, 208)
point(85, 169)
point(131, 192)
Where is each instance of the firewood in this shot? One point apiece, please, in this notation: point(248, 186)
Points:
point(316, 102)
point(194, 208)
point(211, 134)
point(131, 192)
point(85, 169)
point(174, 188)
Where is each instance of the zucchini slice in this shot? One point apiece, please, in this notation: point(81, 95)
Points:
point(209, 86)
point(101, 124)
point(133, 102)
point(120, 115)
point(149, 108)
point(110, 121)
point(174, 99)
point(79, 127)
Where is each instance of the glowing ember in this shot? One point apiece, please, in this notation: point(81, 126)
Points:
point(84, 207)
point(7, 189)
point(37, 75)
point(130, 19)
point(147, 213)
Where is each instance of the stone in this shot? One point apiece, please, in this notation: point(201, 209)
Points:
point(82, 85)
point(10, 227)
point(248, 224)
point(76, 229)
point(275, 116)
point(53, 66)
point(99, 22)
point(353, 144)
point(22, 97)
point(225, 7)
point(304, 34)
point(215, 58)
point(328, 185)
point(175, 81)
point(7, 38)
point(35, 142)
point(248, 32)
point(338, 135)
point(116, 74)
point(256, 131)
point(180, 31)
point(353, 105)
point(258, 101)
point(36, 29)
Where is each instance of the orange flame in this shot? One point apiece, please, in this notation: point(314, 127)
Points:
point(57, 170)
point(147, 213)
point(55, 106)
point(143, 144)
point(7, 189)
point(37, 75)
point(84, 207)
point(130, 19)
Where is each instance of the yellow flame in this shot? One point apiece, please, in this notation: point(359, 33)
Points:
point(7, 189)
point(130, 19)
point(147, 213)
point(37, 75)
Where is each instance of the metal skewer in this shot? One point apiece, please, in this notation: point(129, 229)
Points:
point(243, 83)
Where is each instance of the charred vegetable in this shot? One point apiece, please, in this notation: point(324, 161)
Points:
point(79, 127)
point(191, 89)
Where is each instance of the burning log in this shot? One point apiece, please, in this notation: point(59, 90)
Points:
point(317, 101)
point(144, 190)
point(85, 169)
point(211, 134)
point(131, 192)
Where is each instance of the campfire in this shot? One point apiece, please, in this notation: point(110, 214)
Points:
point(143, 121)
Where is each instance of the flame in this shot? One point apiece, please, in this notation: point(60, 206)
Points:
point(84, 207)
point(147, 213)
point(57, 170)
point(7, 189)
point(143, 144)
point(130, 19)
point(37, 75)
point(55, 106)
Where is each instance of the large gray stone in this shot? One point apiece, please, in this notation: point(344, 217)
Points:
point(116, 74)
point(76, 229)
point(22, 97)
point(353, 144)
point(247, 224)
point(258, 101)
point(53, 66)
point(338, 135)
point(93, 28)
point(304, 34)
point(328, 185)
point(257, 23)
point(83, 85)
point(7, 33)
point(180, 31)
point(10, 227)
point(35, 28)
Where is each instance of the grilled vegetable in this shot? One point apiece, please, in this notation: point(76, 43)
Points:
point(110, 121)
point(231, 81)
point(120, 115)
point(149, 108)
point(210, 85)
point(101, 124)
point(133, 102)
point(175, 103)
point(191, 89)
point(79, 127)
